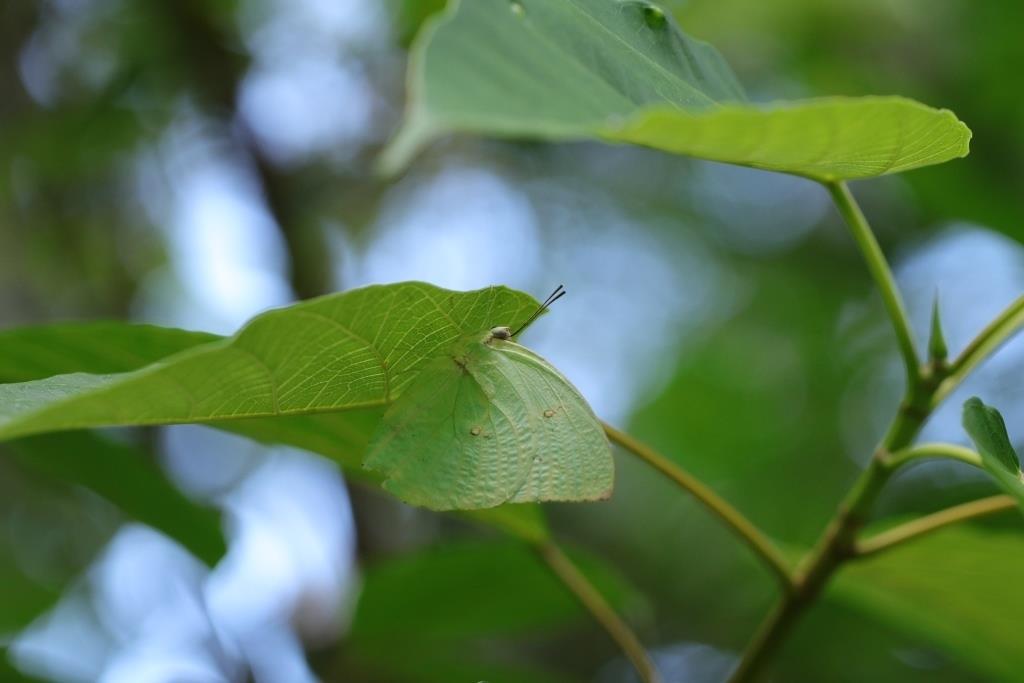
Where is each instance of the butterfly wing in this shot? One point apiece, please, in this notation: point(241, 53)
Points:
point(490, 424)
point(571, 459)
point(449, 442)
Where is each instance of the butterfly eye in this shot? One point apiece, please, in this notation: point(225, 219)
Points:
point(501, 332)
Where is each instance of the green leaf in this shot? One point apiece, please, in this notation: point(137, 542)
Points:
point(825, 139)
point(488, 423)
point(52, 532)
point(958, 588)
point(121, 474)
point(348, 351)
point(453, 606)
point(127, 478)
point(471, 590)
point(23, 599)
point(987, 429)
point(342, 436)
point(623, 71)
point(317, 354)
point(97, 347)
point(426, 663)
point(525, 522)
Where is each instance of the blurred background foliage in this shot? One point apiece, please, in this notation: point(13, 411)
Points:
point(190, 163)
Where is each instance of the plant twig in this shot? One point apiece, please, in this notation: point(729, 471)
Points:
point(838, 542)
point(995, 334)
point(733, 518)
point(570, 575)
point(933, 450)
point(882, 275)
point(929, 523)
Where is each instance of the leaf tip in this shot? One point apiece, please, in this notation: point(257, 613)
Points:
point(937, 350)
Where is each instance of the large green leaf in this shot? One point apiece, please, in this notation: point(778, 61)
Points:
point(126, 477)
point(472, 590)
point(987, 429)
point(23, 599)
point(828, 138)
point(959, 589)
point(623, 71)
point(121, 474)
point(341, 436)
point(348, 351)
point(445, 603)
point(46, 473)
point(97, 347)
point(52, 531)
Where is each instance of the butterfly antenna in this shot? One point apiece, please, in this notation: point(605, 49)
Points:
point(552, 298)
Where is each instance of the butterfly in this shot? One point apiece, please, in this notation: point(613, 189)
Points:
point(491, 422)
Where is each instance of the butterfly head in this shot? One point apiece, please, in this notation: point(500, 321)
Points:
point(501, 332)
point(506, 333)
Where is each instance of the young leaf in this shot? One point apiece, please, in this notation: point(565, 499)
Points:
point(623, 71)
point(937, 350)
point(986, 428)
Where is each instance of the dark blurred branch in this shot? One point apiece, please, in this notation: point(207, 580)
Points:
point(216, 68)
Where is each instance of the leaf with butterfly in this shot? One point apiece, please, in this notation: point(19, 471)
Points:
point(343, 356)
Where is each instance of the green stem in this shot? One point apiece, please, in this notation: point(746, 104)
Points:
point(733, 518)
point(995, 334)
point(929, 523)
point(837, 544)
point(880, 272)
point(933, 450)
point(570, 575)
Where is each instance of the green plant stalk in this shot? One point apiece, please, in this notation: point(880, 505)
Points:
point(934, 450)
point(881, 273)
point(837, 544)
point(733, 518)
point(933, 522)
point(570, 575)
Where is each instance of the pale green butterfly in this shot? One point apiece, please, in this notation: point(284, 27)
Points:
point(491, 422)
